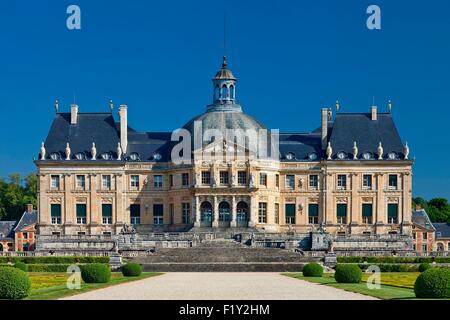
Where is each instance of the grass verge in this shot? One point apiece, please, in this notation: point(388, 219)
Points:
point(51, 286)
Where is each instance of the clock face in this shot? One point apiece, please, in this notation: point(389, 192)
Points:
point(341, 155)
point(313, 156)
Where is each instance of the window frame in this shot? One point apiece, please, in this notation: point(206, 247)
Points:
point(367, 184)
point(81, 186)
point(224, 178)
point(287, 182)
point(263, 179)
point(157, 181)
point(57, 179)
point(341, 182)
point(134, 183)
point(206, 178)
point(106, 182)
point(262, 212)
point(313, 183)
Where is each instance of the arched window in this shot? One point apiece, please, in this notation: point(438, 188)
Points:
point(224, 211)
point(206, 211)
point(440, 247)
point(224, 94)
point(217, 93)
point(232, 93)
point(242, 211)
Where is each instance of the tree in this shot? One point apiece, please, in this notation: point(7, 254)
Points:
point(15, 194)
point(420, 201)
point(439, 210)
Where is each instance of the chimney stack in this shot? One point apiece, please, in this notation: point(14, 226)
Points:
point(29, 208)
point(123, 127)
point(73, 114)
point(374, 113)
point(324, 128)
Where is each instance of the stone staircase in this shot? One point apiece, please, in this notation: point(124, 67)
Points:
point(221, 255)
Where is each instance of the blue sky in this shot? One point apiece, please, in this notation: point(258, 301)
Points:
point(291, 57)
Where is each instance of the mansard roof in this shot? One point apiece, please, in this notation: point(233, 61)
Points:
point(367, 133)
point(420, 218)
point(7, 230)
point(28, 219)
point(442, 230)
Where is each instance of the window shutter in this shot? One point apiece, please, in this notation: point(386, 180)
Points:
point(158, 210)
point(55, 210)
point(392, 210)
point(290, 210)
point(106, 210)
point(367, 210)
point(135, 210)
point(341, 210)
point(313, 210)
point(81, 210)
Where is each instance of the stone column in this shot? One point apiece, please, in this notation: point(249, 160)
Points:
point(328, 210)
point(215, 222)
point(355, 216)
point(233, 223)
point(253, 210)
point(67, 217)
point(121, 216)
point(381, 207)
point(93, 209)
point(196, 206)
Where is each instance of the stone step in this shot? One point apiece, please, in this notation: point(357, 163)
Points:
point(224, 267)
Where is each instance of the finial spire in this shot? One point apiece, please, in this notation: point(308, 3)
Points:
point(390, 106)
point(111, 105)
point(224, 62)
point(56, 105)
point(337, 106)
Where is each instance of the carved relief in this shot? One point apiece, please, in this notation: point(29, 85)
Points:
point(392, 200)
point(342, 200)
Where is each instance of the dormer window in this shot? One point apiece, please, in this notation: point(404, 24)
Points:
point(134, 156)
point(290, 156)
point(55, 156)
point(157, 156)
point(341, 155)
point(80, 156)
point(106, 156)
point(392, 156)
point(312, 156)
point(367, 156)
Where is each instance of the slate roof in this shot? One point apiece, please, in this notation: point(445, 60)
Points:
point(7, 230)
point(102, 129)
point(26, 220)
point(420, 217)
point(442, 230)
point(350, 127)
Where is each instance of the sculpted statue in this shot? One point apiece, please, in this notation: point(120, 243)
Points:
point(355, 151)
point(406, 151)
point(380, 152)
point(94, 151)
point(43, 151)
point(68, 151)
point(301, 182)
point(252, 180)
point(329, 151)
point(119, 151)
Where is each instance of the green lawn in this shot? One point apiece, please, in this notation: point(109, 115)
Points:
point(388, 290)
point(51, 286)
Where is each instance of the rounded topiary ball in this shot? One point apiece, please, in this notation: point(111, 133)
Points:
point(14, 283)
point(433, 283)
point(312, 270)
point(348, 273)
point(96, 273)
point(21, 266)
point(132, 269)
point(424, 267)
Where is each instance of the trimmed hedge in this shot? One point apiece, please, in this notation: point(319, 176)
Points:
point(132, 269)
point(312, 270)
point(393, 259)
point(348, 273)
point(96, 273)
point(424, 267)
point(389, 267)
point(54, 260)
point(21, 266)
point(433, 283)
point(14, 283)
point(48, 267)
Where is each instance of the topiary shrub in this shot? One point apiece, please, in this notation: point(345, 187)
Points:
point(348, 273)
point(14, 283)
point(312, 270)
point(424, 267)
point(132, 269)
point(21, 266)
point(96, 273)
point(433, 283)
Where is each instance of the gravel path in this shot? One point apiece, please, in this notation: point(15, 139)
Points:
point(220, 285)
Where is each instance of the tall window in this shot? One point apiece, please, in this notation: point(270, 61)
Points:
point(392, 213)
point(81, 213)
point(263, 179)
point(242, 178)
point(290, 213)
point(313, 181)
point(206, 178)
point(262, 212)
point(277, 180)
point(134, 181)
point(107, 213)
point(172, 213)
point(342, 182)
point(158, 213)
point(290, 182)
point(135, 214)
point(106, 182)
point(367, 182)
point(341, 210)
point(54, 183)
point(223, 178)
point(186, 212)
point(424, 248)
point(171, 180)
point(80, 182)
point(367, 213)
point(157, 181)
point(277, 213)
point(313, 213)
point(185, 179)
point(55, 212)
point(424, 236)
point(393, 183)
